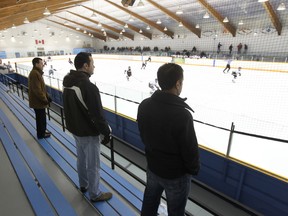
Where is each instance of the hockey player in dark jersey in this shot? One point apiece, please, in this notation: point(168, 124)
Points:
point(128, 73)
point(144, 65)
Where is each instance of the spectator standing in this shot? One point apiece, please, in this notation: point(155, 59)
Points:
point(85, 120)
point(239, 47)
point(230, 49)
point(245, 48)
point(219, 47)
point(38, 97)
point(166, 128)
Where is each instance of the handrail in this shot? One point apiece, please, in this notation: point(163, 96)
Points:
point(113, 163)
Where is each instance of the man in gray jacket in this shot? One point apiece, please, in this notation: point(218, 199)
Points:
point(85, 120)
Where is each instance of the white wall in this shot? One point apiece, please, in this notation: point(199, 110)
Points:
point(259, 43)
point(267, 43)
point(63, 39)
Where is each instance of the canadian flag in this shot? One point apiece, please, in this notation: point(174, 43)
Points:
point(39, 41)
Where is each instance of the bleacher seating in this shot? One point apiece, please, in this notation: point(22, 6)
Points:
point(61, 148)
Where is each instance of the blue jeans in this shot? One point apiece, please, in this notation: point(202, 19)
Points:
point(88, 163)
point(176, 190)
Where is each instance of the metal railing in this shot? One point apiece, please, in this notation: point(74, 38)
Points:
point(14, 86)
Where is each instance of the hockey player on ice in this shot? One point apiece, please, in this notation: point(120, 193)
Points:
point(144, 65)
point(235, 74)
point(227, 66)
point(153, 85)
point(128, 73)
point(51, 71)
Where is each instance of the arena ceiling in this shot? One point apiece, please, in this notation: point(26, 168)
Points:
point(112, 20)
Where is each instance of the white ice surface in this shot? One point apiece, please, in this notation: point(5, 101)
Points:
point(257, 104)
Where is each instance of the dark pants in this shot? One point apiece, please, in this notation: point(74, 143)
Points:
point(40, 122)
point(176, 190)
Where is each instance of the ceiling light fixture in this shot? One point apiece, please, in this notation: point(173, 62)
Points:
point(225, 20)
point(126, 25)
point(66, 23)
point(131, 19)
point(158, 21)
point(180, 24)
point(94, 15)
point(99, 24)
point(140, 4)
point(165, 29)
point(179, 10)
point(13, 26)
point(241, 22)
point(46, 12)
point(261, 1)
point(140, 31)
point(281, 7)
point(26, 21)
point(77, 28)
point(197, 26)
point(148, 27)
point(206, 15)
point(123, 30)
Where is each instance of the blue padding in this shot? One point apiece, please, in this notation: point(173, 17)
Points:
point(38, 201)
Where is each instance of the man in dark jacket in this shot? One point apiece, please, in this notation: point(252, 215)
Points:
point(38, 97)
point(167, 131)
point(85, 120)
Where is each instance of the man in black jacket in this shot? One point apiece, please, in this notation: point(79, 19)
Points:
point(167, 131)
point(85, 120)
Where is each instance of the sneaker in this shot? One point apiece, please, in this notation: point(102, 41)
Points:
point(83, 189)
point(102, 197)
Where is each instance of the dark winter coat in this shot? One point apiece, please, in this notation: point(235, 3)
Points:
point(82, 106)
point(167, 131)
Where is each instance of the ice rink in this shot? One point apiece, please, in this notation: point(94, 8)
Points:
point(256, 103)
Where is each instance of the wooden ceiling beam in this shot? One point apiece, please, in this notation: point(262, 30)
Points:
point(146, 34)
point(273, 16)
point(169, 33)
point(89, 27)
point(219, 17)
point(101, 37)
point(104, 26)
point(177, 18)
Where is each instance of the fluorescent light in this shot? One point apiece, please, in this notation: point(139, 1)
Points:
point(206, 15)
point(26, 21)
point(179, 11)
point(46, 12)
point(225, 20)
point(262, 1)
point(94, 14)
point(281, 7)
point(140, 4)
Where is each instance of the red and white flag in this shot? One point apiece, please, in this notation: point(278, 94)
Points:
point(39, 41)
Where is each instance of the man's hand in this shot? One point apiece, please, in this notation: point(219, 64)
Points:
point(106, 139)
